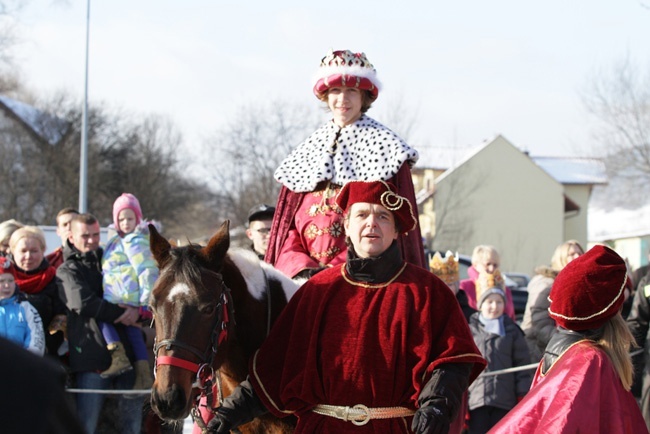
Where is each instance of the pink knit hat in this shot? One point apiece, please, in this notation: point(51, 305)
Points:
point(127, 200)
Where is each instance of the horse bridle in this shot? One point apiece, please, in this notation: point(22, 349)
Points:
point(225, 314)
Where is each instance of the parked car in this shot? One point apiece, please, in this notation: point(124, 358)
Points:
point(518, 284)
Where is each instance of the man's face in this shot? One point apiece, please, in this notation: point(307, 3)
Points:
point(63, 226)
point(258, 231)
point(371, 229)
point(84, 237)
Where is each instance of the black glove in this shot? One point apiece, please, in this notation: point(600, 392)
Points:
point(430, 420)
point(308, 272)
point(440, 398)
point(240, 407)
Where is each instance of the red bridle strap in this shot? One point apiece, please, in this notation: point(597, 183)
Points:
point(175, 361)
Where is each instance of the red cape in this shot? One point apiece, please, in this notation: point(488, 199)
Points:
point(581, 393)
point(288, 203)
point(340, 343)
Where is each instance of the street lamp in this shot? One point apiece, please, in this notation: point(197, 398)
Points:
point(83, 159)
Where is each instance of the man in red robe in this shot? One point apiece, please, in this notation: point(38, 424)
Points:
point(582, 384)
point(374, 345)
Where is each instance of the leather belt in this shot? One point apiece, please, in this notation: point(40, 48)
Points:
point(360, 414)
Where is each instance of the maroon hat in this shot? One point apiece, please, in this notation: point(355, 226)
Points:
point(380, 193)
point(589, 290)
point(346, 69)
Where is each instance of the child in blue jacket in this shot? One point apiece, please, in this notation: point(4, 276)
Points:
point(19, 320)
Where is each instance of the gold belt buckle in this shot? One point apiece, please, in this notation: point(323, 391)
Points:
point(366, 415)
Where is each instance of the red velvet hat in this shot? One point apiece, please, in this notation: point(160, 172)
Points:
point(380, 193)
point(589, 290)
point(345, 68)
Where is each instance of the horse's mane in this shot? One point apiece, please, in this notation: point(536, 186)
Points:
point(184, 263)
point(257, 272)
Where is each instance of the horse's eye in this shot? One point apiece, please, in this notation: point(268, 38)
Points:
point(207, 309)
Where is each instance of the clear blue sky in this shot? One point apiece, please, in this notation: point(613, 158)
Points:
point(468, 69)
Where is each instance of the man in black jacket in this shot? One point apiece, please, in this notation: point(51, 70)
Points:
point(80, 288)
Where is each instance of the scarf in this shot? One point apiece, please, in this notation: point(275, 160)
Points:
point(362, 151)
point(493, 325)
point(377, 269)
point(33, 282)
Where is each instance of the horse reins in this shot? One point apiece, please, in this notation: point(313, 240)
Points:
point(225, 313)
point(203, 370)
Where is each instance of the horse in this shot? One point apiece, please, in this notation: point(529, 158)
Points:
point(212, 307)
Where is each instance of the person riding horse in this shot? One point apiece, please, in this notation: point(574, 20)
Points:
point(382, 343)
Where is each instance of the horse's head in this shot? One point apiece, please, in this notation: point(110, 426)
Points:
point(189, 292)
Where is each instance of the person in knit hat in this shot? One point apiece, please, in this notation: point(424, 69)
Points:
point(129, 273)
point(485, 258)
point(307, 231)
point(582, 383)
point(19, 320)
point(503, 345)
point(383, 345)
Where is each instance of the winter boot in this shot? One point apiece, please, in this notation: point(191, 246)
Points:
point(143, 377)
point(119, 361)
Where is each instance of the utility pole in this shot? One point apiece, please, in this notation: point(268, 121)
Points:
point(83, 159)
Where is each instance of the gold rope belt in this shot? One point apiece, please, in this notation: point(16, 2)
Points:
point(360, 414)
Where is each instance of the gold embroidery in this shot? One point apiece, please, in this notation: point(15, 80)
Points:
point(329, 253)
point(312, 231)
point(327, 202)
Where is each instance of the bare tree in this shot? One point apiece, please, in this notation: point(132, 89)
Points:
point(620, 100)
point(246, 152)
point(126, 153)
point(400, 116)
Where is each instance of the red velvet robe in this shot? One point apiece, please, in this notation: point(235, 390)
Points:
point(285, 212)
point(340, 343)
point(581, 393)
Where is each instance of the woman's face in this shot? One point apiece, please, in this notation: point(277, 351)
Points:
point(345, 104)
point(574, 252)
point(4, 247)
point(488, 264)
point(28, 253)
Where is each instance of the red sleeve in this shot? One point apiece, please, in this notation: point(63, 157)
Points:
point(293, 256)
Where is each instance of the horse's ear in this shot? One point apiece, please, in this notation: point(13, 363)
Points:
point(218, 245)
point(159, 246)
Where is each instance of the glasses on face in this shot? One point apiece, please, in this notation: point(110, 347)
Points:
point(263, 231)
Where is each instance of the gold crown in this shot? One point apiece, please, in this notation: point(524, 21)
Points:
point(487, 281)
point(445, 268)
